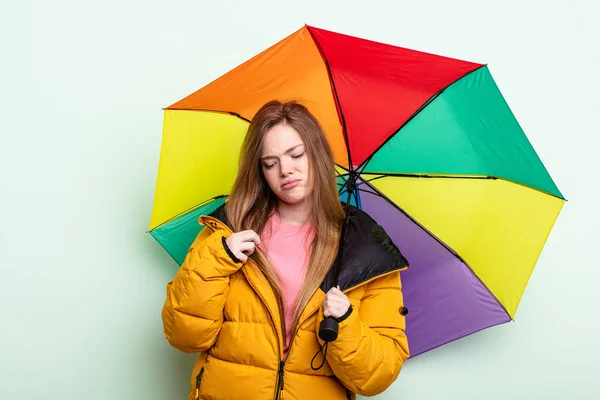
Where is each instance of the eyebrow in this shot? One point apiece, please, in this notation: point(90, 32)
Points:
point(286, 152)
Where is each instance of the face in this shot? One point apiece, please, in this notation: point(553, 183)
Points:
point(285, 164)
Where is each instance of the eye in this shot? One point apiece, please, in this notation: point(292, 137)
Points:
point(298, 155)
point(269, 166)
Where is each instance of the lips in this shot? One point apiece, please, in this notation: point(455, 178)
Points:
point(290, 184)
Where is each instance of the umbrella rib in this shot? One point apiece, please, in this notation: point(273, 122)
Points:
point(344, 168)
point(188, 210)
point(356, 198)
point(380, 175)
point(344, 190)
point(209, 110)
point(338, 105)
point(338, 175)
point(405, 175)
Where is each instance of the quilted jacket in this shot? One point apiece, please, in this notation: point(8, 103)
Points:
point(227, 312)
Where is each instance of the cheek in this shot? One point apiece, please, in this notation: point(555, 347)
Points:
point(306, 168)
point(305, 165)
point(271, 178)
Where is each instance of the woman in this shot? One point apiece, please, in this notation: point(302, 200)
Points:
point(256, 282)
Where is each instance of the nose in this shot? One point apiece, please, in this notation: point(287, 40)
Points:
point(285, 168)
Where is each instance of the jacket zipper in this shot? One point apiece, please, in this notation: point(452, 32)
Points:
point(280, 381)
point(198, 379)
point(279, 384)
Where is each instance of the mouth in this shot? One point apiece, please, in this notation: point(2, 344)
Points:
point(290, 184)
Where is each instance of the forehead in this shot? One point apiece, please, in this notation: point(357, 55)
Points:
point(280, 138)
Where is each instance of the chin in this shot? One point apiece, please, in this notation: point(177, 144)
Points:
point(292, 200)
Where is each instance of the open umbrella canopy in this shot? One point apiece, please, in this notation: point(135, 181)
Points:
point(442, 165)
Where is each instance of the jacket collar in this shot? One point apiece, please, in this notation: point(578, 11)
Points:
point(368, 251)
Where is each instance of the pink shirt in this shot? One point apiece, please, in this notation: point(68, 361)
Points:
point(288, 249)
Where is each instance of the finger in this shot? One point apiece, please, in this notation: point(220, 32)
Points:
point(248, 235)
point(336, 305)
point(255, 238)
point(242, 257)
point(338, 294)
point(336, 300)
point(247, 247)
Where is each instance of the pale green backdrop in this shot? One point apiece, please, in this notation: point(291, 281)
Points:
point(82, 84)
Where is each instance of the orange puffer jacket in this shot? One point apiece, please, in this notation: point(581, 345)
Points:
point(227, 311)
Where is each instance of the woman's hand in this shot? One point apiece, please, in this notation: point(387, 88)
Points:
point(242, 244)
point(336, 303)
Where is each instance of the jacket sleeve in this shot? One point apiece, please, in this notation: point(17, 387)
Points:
point(371, 346)
point(193, 311)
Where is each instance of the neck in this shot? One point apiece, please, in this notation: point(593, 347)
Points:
point(296, 214)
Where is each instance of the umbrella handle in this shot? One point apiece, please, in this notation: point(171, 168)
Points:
point(328, 329)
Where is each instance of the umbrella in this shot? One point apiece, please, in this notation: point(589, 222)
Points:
point(434, 152)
